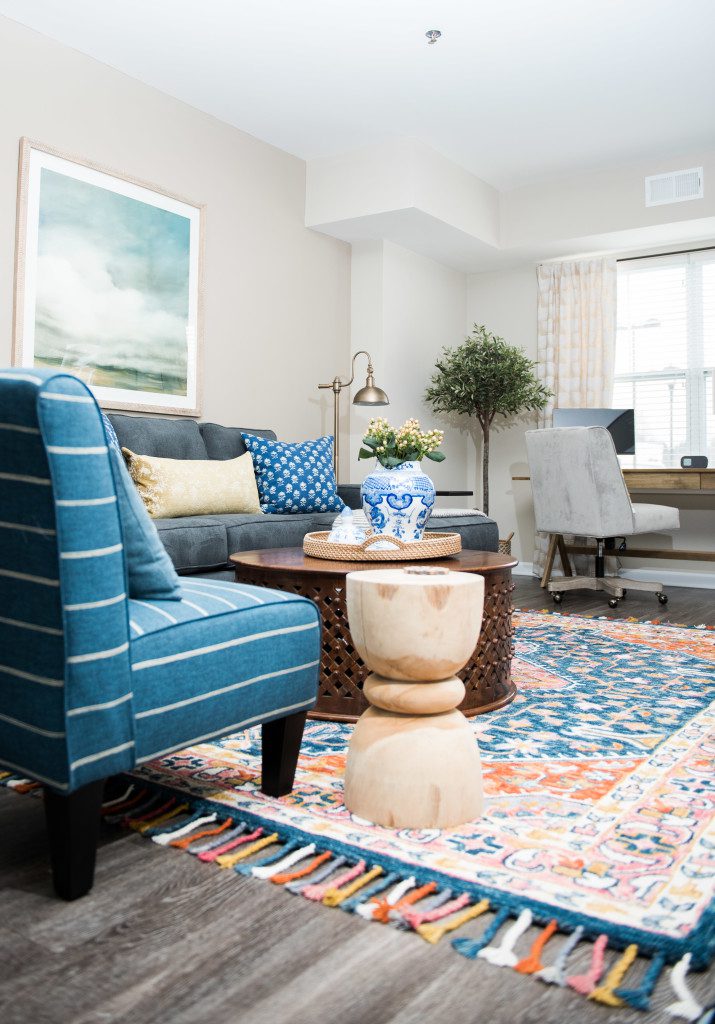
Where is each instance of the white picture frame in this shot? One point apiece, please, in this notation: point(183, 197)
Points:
point(109, 282)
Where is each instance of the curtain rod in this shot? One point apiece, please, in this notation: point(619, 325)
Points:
point(655, 255)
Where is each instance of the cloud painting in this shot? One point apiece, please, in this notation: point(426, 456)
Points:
point(111, 287)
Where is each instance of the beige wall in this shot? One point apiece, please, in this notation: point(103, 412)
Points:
point(505, 301)
point(406, 307)
point(276, 294)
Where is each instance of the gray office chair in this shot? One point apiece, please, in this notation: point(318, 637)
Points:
point(579, 489)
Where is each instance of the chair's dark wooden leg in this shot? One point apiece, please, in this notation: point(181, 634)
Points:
point(73, 831)
point(280, 741)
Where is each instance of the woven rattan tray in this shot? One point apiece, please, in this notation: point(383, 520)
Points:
point(433, 545)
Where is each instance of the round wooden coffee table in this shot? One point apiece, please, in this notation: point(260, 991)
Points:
point(487, 674)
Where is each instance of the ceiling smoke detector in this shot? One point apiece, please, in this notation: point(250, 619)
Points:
point(432, 36)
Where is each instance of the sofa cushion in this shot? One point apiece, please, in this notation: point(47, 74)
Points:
point(227, 442)
point(194, 542)
point(223, 658)
point(269, 530)
point(165, 438)
point(477, 532)
point(294, 478)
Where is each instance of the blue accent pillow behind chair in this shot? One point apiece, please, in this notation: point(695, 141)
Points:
point(294, 478)
point(150, 572)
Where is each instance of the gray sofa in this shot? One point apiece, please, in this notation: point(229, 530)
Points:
point(203, 543)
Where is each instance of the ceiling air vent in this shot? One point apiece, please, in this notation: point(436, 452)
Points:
point(674, 187)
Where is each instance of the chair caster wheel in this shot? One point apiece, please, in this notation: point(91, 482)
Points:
point(613, 602)
point(662, 598)
point(557, 596)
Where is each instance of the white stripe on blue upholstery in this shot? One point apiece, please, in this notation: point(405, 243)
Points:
point(49, 733)
point(19, 428)
point(278, 713)
point(78, 659)
point(86, 605)
point(18, 624)
point(91, 758)
point(226, 689)
point(29, 529)
point(100, 707)
point(136, 627)
point(92, 552)
point(45, 680)
point(57, 397)
point(18, 478)
point(58, 449)
point(227, 585)
point(81, 502)
point(224, 645)
point(213, 597)
point(154, 608)
point(44, 580)
point(196, 607)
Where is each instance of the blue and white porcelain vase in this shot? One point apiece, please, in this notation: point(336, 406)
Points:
point(398, 501)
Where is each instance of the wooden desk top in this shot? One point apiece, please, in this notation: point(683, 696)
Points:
point(282, 560)
point(666, 479)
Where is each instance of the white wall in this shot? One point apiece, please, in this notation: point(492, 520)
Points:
point(406, 308)
point(506, 302)
point(276, 295)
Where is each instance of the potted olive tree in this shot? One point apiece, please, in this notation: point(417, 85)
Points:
point(483, 378)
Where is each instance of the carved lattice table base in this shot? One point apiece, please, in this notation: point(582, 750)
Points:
point(486, 676)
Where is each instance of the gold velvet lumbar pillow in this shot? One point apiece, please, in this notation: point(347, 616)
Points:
point(194, 487)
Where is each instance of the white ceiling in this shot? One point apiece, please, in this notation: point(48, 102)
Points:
point(515, 91)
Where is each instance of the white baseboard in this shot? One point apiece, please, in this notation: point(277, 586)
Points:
point(668, 577)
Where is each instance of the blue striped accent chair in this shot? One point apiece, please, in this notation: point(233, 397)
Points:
point(93, 683)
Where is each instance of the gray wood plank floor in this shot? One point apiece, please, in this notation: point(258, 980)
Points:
point(163, 939)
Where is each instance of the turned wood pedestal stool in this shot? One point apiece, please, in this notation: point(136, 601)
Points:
point(413, 761)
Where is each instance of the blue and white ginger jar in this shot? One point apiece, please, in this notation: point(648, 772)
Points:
point(398, 501)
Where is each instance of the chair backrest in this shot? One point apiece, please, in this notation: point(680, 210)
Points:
point(577, 483)
point(66, 714)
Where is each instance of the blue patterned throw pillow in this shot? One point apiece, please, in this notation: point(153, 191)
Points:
point(294, 478)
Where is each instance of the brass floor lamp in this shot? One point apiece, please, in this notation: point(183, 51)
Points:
point(368, 395)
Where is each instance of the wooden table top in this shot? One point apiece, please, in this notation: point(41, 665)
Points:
point(282, 560)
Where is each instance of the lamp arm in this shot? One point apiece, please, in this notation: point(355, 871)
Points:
point(337, 383)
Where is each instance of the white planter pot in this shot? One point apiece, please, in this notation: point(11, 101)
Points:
point(398, 501)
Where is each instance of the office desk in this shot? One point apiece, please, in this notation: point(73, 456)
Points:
point(640, 481)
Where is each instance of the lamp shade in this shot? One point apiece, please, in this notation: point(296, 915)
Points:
point(371, 395)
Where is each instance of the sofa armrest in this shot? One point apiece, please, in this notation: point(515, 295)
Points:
point(350, 493)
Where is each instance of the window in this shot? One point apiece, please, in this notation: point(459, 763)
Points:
point(665, 355)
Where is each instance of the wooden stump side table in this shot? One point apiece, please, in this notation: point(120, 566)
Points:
point(413, 761)
point(487, 674)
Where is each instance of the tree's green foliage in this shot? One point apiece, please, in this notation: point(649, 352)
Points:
point(485, 377)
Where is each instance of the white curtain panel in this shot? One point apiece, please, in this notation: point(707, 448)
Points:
point(576, 345)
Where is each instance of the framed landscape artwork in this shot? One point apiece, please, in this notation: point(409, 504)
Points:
point(108, 282)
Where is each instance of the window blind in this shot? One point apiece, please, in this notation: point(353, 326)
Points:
point(665, 356)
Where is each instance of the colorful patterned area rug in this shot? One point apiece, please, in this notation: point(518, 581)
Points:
point(598, 820)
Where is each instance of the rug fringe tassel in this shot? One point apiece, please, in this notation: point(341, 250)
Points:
point(503, 955)
point(586, 983)
point(388, 898)
point(606, 993)
point(556, 973)
point(687, 1007)
point(639, 998)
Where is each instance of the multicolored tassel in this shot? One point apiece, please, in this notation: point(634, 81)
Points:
point(639, 998)
point(586, 983)
point(606, 993)
point(555, 974)
point(532, 963)
point(687, 1007)
point(434, 932)
point(471, 947)
point(503, 955)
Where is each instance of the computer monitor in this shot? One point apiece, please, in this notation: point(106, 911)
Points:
point(619, 422)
